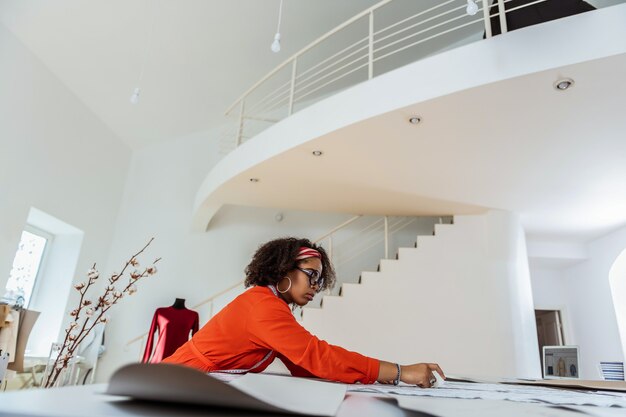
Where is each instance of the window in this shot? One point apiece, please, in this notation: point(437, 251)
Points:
point(26, 266)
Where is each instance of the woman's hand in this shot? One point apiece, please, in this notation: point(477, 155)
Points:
point(420, 374)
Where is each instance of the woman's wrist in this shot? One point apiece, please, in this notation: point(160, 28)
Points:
point(387, 372)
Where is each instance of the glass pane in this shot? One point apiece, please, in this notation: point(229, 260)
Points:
point(25, 266)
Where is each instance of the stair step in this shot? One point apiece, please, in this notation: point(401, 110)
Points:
point(424, 240)
point(329, 300)
point(386, 264)
point(370, 276)
point(444, 228)
point(311, 312)
point(404, 252)
point(350, 288)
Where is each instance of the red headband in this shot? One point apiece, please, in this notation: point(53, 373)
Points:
point(305, 252)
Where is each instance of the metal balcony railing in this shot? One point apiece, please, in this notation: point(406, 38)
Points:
point(386, 36)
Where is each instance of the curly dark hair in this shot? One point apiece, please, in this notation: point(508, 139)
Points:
point(274, 259)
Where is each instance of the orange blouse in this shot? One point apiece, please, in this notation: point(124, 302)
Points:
point(259, 325)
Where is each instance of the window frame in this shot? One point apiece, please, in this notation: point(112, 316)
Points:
point(42, 261)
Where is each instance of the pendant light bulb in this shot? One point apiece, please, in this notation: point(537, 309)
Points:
point(472, 7)
point(134, 98)
point(276, 44)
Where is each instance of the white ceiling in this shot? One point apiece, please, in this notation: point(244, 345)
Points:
point(204, 53)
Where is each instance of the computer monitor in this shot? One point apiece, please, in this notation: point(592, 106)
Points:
point(560, 362)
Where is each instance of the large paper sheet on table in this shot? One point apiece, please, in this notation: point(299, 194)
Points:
point(269, 393)
point(487, 408)
point(485, 391)
point(583, 384)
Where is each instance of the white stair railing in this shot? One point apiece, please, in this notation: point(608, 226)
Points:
point(358, 243)
point(370, 244)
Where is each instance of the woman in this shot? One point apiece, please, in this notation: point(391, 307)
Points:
point(258, 326)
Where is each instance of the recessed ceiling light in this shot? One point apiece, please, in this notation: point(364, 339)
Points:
point(254, 180)
point(563, 84)
point(415, 120)
point(317, 153)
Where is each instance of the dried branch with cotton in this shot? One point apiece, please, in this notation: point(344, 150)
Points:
point(90, 313)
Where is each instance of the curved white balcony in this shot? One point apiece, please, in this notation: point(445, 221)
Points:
point(494, 134)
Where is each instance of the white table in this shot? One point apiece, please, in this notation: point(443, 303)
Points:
point(87, 400)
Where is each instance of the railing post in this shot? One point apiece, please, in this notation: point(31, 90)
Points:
point(502, 14)
point(330, 248)
point(386, 237)
point(487, 19)
point(240, 127)
point(370, 59)
point(142, 347)
point(292, 91)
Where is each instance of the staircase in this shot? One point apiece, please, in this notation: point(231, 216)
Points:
point(461, 298)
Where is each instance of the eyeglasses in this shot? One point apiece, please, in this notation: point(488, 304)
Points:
point(315, 277)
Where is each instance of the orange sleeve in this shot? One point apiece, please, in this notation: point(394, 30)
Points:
point(271, 325)
point(294, 369)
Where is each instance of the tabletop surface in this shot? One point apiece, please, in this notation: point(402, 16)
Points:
point(89, 400)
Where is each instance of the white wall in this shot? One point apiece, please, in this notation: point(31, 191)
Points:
point(462, 298)
point(51, 293)
point(57, 156)
point(551, 292)
point(158, 202)
point(591, 306)
point(575, 278)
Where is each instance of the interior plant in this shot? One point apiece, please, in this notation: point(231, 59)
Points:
point(92, 311)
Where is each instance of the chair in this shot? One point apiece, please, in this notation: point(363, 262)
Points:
point(33, 375)
point(27, 321)
point(88, 353)
point(612, 371)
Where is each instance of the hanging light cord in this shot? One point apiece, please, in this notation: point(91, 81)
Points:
point(280, 16)
point(148, 42)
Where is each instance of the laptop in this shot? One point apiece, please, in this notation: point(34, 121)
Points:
point(560, 362)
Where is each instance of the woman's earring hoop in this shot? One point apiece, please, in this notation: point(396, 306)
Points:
point(282, 292)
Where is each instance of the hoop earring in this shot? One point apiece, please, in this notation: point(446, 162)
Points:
point(282, 292)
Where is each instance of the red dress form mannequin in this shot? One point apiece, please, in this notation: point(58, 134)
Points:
point(173, 324)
